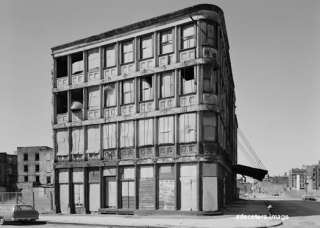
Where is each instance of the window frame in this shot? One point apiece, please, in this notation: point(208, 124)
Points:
point(91, 51)
point(194, 91)
point(171, 140)
point(113, 47)
point(182, 38)
point(171, 89)
point(145, 38)
point(184, 140)
point(161, 44)
point(132, 100)
point(105, 95)
point(142, 80)
point(131, 142)
point(142, 125)
point(123, 43)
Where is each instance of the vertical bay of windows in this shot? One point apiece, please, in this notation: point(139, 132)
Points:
point(187, 128)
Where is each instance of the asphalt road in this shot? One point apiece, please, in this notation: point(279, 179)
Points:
point(41, 224)
point(301, 213)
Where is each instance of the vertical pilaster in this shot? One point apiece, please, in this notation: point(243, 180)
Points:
point(57, 190)
point(119, 190)
point(177, 185)
point(177, 31)
point(156, 48)
point(155, 182)
point(102, 61)
point(86, 189)
point(198, 39)
point(155, 79)
point(118, 52)
point(102, 188)
point(69, 105)
point(101, 101)
point(69, 68)
point(199, 185)
point(71, 192)
point(85, 103)
point(85, 65)
point(177, 87)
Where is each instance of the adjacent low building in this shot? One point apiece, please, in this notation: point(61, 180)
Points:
point(144, 116)
point(297, 179)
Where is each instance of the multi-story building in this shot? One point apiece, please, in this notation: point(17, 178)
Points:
point(8, 172)
point(35, 166)
point(297, 179)
point(144, 116)
point(316, 177)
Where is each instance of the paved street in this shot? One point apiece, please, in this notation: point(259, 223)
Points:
point(301, 213)
point(44, 225)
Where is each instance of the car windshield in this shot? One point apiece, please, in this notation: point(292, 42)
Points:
point(25, 207)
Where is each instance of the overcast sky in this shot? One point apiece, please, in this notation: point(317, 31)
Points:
point(275, 53)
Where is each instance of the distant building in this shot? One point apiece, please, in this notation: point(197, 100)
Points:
point(8, 172)
point(316, 177)
point(297, 178)
point(35, 166)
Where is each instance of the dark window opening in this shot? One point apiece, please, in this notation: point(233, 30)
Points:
point(48, 180)
point(77, 63)
point(37, 157)
point(37, 168)
point(37, 179)
point(25, 157)
point(62, 102)
point(188, 80)
point(62, 67)
point(146, 89)
point(109, 95)
point(25, 178)
point(76, 100)
point(25, 168)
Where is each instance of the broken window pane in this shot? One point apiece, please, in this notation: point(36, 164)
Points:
point(166, 42)
point(187, 127)
point(167, 85)
point(146, 47)
point(62, 66)
point(188, 81)
point(127, 52)
point(188, 37)
point(145, 132)
point(166, 126)
point(127, 134)
point(146, 89)
point(93, 59)
point(62, 102)
point(127, 92)
point(109, 95)
point(76, 100)
point(77, 63)
point(110, 56)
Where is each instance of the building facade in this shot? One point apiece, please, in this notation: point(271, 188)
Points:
point(8, 172)
point(297, 179)
point(35, 166)
point(144, 116)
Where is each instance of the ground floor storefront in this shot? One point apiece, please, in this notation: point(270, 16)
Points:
point(188, 186)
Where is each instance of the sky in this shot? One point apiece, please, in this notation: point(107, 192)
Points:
point(274, 49)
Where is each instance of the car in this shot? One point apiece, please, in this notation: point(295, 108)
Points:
point(276, 194)
point(17, 212)
point(309, 198)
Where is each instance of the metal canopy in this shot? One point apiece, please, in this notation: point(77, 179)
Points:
point(255, 173)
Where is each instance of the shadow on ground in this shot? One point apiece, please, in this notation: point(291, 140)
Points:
point(26, 223)
point(294, 208)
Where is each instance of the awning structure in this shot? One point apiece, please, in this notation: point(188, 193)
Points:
point(255, 173)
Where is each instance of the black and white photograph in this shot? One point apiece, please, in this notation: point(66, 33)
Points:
point(160, 113)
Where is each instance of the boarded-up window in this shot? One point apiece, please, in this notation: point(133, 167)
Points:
point(77, 141)
point(209, 127)
point(128, 188)
point(208, 86)
point(188, 82)
point(110, 95)
point(167, 85)
point(166, 128)
point(210, 34)
point(110, 56)
point(93, 98)
point(188, 189)
point(146, 47)
point(187, 127)
point(127, 52)
point(109, 136)
point(188, 37)
point(146, 89)
point(78, 195)
point(63, 176)
point(166, 42)
point(93, 133)
point(146, 188)
point(145, 132)
point(166, 187)
point(62, 142)
point(127, 92)
point(127, 134)
point(93, 59)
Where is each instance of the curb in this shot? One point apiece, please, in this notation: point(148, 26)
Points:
point(104, 225)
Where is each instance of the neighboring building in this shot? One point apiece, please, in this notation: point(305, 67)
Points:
point(35, 166)
point(316, 177)
point(297, 179)
point(8, 172)
point(144, 116)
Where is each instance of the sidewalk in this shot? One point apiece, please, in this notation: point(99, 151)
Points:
point(228, 220)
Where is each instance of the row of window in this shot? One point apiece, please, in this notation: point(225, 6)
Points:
point(37, 179)
point(166, 133)
point(26, 157)
point(26, 168)
point(127, 49)
point(166, 83)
